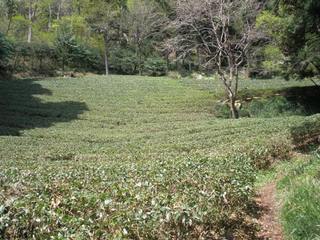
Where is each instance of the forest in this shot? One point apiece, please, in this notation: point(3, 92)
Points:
point(160, 119)
point(48, 37)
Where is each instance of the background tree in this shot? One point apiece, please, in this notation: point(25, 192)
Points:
point(10, 7)
point(294, 28)
point(32, 11)
point(104, 18)
point(221, 30)
point(131, 36)
point(145, 26)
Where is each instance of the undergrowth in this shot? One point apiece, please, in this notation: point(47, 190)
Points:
point(300, 189)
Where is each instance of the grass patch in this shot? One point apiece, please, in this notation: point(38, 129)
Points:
point(300, 190)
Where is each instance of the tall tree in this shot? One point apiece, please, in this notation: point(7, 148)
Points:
point(221, 30)
point(294, 26)
point(10, 11)
point(103, 17)
point(32, 9)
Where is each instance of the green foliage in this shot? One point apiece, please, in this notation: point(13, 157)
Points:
point(308, 133)
point(146, 158)
point(221, 110)
point(269, 107)
point(273, 25)
point(150, 200)
point(5, 52)
point(301, 210)
point(35, 58)
point(308, 60)
point(19, 28)
point(273, 60)
point(123, 61)
point(75, 55)
point(293, 27)
point(155, 66)
point(274, 107)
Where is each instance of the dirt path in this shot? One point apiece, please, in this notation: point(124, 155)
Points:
point(269, 221)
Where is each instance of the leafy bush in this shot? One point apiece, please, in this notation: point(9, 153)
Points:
point(5, 51)
point(274, 107)
point(34, 58)
point(262, 108)
point(75, 55)
point(123, 61)
point(155, 66)
point(221, 110)
point(123, 171)
point(155, 200)
point(307, 133)
point(266, 155)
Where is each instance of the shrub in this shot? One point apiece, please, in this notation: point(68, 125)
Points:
point(221, 110)
point(5, 52)
point(307, 134)
point(265, 156)
point(274, 107)
point(75, 55)
point(262, 108)
point(155, 66)
point(123, 61)
point(34, 58)
point(170, 199)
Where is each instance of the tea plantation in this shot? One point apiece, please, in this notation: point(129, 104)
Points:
point(126, 157)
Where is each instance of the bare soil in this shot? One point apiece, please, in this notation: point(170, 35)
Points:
point(269, 217)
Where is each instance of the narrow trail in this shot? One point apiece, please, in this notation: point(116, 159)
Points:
point(269, 219)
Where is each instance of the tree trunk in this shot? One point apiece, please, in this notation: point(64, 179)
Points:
point(50, 18)
point(40, 64)
point(140, 61)
point(233, 108)
point(30, 23)
point(168, 62)
point(29, 34)
point(9, 25)
point(15, 63)
point(59, 10)
point(230, 92)
point(106, 62)
point(233, 89)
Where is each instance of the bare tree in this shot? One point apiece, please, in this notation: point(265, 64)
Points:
point(221, 30)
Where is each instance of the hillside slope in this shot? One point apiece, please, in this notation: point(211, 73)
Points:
point(129, 158)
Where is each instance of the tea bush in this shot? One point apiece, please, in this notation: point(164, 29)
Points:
point(307, 133)
point(181, 198)
point(155, 66)
point(127, 157)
